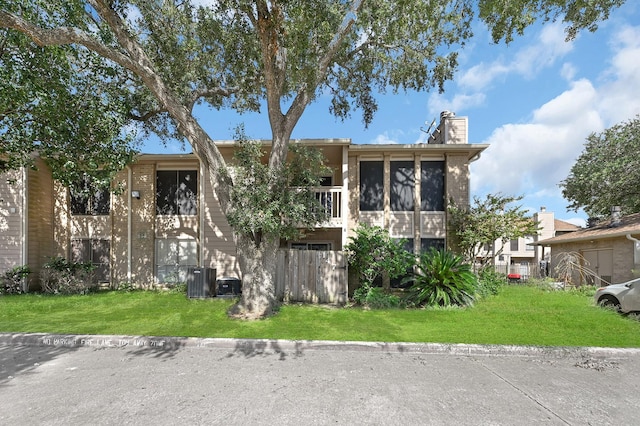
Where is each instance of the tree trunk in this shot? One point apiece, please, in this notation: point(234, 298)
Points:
point(257, 262)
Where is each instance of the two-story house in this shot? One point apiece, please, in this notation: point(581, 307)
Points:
point(164, 216)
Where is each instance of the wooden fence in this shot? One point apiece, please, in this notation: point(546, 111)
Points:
point(311, 276)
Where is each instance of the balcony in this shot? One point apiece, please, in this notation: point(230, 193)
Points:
point(331, 198)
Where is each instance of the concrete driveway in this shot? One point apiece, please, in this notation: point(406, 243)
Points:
point(109, 380)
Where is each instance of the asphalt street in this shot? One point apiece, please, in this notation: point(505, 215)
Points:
point(114, 380)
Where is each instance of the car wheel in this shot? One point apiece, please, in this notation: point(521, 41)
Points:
point(609, 302)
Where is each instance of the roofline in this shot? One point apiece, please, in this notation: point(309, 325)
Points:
point(421, 146)
point(305, 141)
point(163, 157)
point(550, 242)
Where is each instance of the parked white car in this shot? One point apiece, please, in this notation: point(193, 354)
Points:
point(625, 297)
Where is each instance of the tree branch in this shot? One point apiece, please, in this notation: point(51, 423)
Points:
point(305, 94)
point(64, 36)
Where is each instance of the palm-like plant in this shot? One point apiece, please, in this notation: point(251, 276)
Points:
point(442, 279)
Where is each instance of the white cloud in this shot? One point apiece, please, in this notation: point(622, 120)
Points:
point(568, 71)
point(438, 102)
point(526, 62)
point(384, 139)
point(620, 94)
point(532, 158)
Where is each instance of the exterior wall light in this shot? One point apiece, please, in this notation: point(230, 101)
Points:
point(135, 194)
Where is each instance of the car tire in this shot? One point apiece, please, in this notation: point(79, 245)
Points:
point(608, 301)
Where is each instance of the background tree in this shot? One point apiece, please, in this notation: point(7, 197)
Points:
point(607, 172)
point(281, 54)
point(478, 227)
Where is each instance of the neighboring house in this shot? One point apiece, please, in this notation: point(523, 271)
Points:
point(164, 216)
point(610, 250)
point(522, 256)
point(26, 219)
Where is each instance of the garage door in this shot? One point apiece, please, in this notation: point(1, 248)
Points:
point(600, 264)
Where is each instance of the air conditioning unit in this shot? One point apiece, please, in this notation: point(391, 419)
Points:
point(201, 282)
point(229, 286)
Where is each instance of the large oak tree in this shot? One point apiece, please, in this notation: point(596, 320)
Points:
point(282, 54)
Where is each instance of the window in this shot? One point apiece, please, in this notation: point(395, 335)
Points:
point(528, 240)
point(173, 259)
point(371, 186)
point(176, 192)
point(402, 185)
point(432, 186)
point(88, 199)
point(428, 243)
point(310, 246)
point(514, 245)
point(95, 251)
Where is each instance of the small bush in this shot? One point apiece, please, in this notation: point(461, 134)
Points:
point(60, 276)
point(125, 286)
point(375, 298)
point(442, 279)
point(179, 287)
point(11, 281)
point(490, 282)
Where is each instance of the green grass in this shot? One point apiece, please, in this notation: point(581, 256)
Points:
point(519, 315)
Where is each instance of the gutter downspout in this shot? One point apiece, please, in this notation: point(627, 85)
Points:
point(636, 249)
point(129, 227)
point(24, 223)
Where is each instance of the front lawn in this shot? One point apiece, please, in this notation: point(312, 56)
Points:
point(519, 315)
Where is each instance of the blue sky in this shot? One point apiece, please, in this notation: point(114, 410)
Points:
point(533, 101)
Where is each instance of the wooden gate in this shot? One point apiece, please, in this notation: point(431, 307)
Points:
point(311, 276)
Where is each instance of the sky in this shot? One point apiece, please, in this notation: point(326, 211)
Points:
point(533, 101)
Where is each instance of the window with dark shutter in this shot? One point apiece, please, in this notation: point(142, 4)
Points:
point(371, 186)
point(176, 192)
point(402, 185)
point(432, 186)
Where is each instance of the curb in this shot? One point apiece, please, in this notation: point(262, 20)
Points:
point(165, 343)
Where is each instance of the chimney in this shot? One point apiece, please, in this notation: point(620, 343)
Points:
point(615, 216)
point(447, 114)
point(543, 209)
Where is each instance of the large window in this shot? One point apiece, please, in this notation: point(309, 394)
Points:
point(432, 186)
point(371, 186)
point(89, 199)
point(173, 259)
point(176, 192)
point(95, 251)
point(402, 185)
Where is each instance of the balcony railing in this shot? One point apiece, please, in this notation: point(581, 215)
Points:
point(331, 198)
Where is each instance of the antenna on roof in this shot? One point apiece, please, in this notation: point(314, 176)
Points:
point(428, 131)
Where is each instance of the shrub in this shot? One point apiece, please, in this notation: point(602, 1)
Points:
point(490, 282)
point(11, 280)
point(60, 276)
point(375, 298)
point(372, 251)
point(125, 286)
point(179, 287)
point(442, 279)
